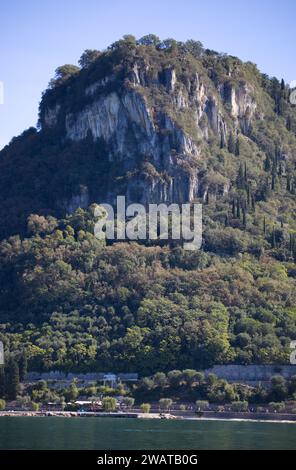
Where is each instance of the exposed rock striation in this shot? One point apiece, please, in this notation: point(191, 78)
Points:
point(158, 119)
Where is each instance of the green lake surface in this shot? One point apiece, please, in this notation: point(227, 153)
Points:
point(141, 434)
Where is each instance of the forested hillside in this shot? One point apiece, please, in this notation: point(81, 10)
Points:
point(157, 121)
point(72, 303)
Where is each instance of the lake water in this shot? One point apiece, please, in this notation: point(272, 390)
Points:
point(137, 434)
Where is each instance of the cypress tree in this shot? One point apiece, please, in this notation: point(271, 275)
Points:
point(283, 96)
point(12, 380)
point(23, 366)
point(276, 155)
point(289, 123)
point(2, 382)
point(283, 86)
point(288, 184)
point(273, 239)
point(292, 244)
point(281, 106)
point(237, 148)
point(253, 202)
point(267, 164)
point(233, 208)
point(274, 167)
point(231, 143)
point(248, 195)
point(241, 177)
point(273, 180)
point(238, 213)
point(244, 217)
point(280, 172)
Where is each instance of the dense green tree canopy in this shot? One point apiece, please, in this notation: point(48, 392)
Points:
point(71, 302)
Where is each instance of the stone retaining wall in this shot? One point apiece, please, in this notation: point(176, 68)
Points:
point(251, 373)
point(230, 372)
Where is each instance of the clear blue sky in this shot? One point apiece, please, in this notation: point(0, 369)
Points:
point(37, 36)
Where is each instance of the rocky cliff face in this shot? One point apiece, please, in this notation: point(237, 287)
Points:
point(241, 103)
point(156, 127)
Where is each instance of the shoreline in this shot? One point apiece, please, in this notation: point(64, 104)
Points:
point(132, 415)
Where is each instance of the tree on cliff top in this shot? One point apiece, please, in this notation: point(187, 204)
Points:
point(62, 74)
point(88, 57)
